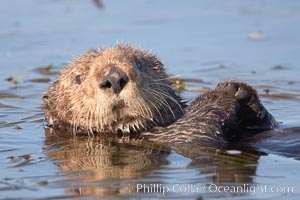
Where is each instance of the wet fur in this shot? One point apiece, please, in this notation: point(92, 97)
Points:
point(147, 100)
point(148, 104)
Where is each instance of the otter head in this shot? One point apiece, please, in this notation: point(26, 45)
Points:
point(119, 89)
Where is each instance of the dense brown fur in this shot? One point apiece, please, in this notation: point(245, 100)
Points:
point(126, 90)
point(76, 102)
point(230, 112)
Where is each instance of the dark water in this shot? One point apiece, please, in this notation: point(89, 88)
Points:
point(212, 41)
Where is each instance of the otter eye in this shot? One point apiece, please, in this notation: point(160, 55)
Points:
point(78, 79)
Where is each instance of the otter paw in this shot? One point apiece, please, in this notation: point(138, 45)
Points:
point(251, 113)
point(243, 93)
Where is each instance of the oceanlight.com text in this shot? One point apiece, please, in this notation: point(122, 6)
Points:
point(249, 189)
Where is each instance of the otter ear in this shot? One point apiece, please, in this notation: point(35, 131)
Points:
point(157, 64)
point(148, 60)
point(154, 62)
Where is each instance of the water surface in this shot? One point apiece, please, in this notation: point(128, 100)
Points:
point(211, 41)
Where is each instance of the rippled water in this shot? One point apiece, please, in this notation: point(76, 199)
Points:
point(211, 41)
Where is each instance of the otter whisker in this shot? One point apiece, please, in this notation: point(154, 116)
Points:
point(85, 109)
point(75, 121)
point(160, 101)
point(163, 103)
point(166, 78)
point(157, 110)
point(100, 118)
point(146, 111)
point(163, 100)
point(145, 108)
point(170, 87)
point(162, 84)
point(141, 110)
point(172, 99)
point(90, 116)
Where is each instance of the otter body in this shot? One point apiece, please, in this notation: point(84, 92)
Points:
point(125, 90)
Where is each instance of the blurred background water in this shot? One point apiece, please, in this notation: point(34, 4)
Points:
point(212, 41)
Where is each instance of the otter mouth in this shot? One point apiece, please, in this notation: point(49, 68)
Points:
point(128, 124)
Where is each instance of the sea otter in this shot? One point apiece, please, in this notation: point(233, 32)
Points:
point(123, 90)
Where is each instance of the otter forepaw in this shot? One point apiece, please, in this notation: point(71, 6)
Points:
point(251, 113)
point(240, 91)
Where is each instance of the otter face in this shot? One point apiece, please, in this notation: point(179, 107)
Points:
point(120, 89)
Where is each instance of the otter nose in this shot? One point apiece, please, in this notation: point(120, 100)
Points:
point(114, 81)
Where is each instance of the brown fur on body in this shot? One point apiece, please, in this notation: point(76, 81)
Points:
point(230, 112)
point(126, 90)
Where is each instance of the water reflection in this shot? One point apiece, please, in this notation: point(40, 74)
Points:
point(227, 166)
point(92, 163)
point(110, 166)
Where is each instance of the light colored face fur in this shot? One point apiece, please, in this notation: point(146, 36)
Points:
point(120, 89)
